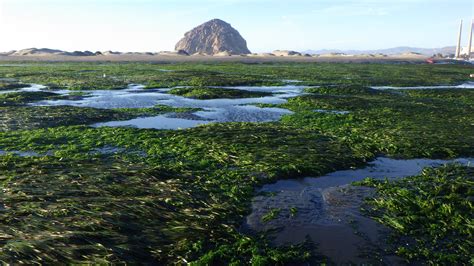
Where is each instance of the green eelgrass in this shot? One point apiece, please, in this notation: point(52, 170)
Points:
point(431, 214)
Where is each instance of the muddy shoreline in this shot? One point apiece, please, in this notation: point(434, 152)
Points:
point(242, 59)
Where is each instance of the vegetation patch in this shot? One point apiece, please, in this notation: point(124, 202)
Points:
point(5, 86)
point(344, 90)
point(416, 125)
point(22, 98)
point(431, 213)
point(203, 93)
point(205, 177)
point(56, 210)
point(272, 214)
point(89, 76)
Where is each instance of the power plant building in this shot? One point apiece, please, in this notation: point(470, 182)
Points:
point(461, 51)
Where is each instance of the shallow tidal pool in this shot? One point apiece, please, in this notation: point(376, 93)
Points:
point(327, 211)
point(213, 110)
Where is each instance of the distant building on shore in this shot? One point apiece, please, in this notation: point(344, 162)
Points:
point(463, 52)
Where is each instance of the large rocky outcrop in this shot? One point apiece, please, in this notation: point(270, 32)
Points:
point(213, 37)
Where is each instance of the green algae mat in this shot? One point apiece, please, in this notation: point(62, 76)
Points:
point(72, 193)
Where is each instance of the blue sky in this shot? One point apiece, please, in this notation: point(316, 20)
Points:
point(146, 25)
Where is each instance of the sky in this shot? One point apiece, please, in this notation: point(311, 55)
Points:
point(157, 25)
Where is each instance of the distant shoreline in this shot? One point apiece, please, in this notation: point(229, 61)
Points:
point(243, 59)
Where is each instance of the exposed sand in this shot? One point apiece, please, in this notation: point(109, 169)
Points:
point(245, 59)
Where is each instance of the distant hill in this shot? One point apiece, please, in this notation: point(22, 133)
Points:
point(37, 51)
point(46, 52)
point(50, 52)
point(390, 51)
point(223, 48)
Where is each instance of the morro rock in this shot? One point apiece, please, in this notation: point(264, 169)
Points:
point(213, 37)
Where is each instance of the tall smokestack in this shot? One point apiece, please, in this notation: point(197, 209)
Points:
point(469, 45)
point(458, 47)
